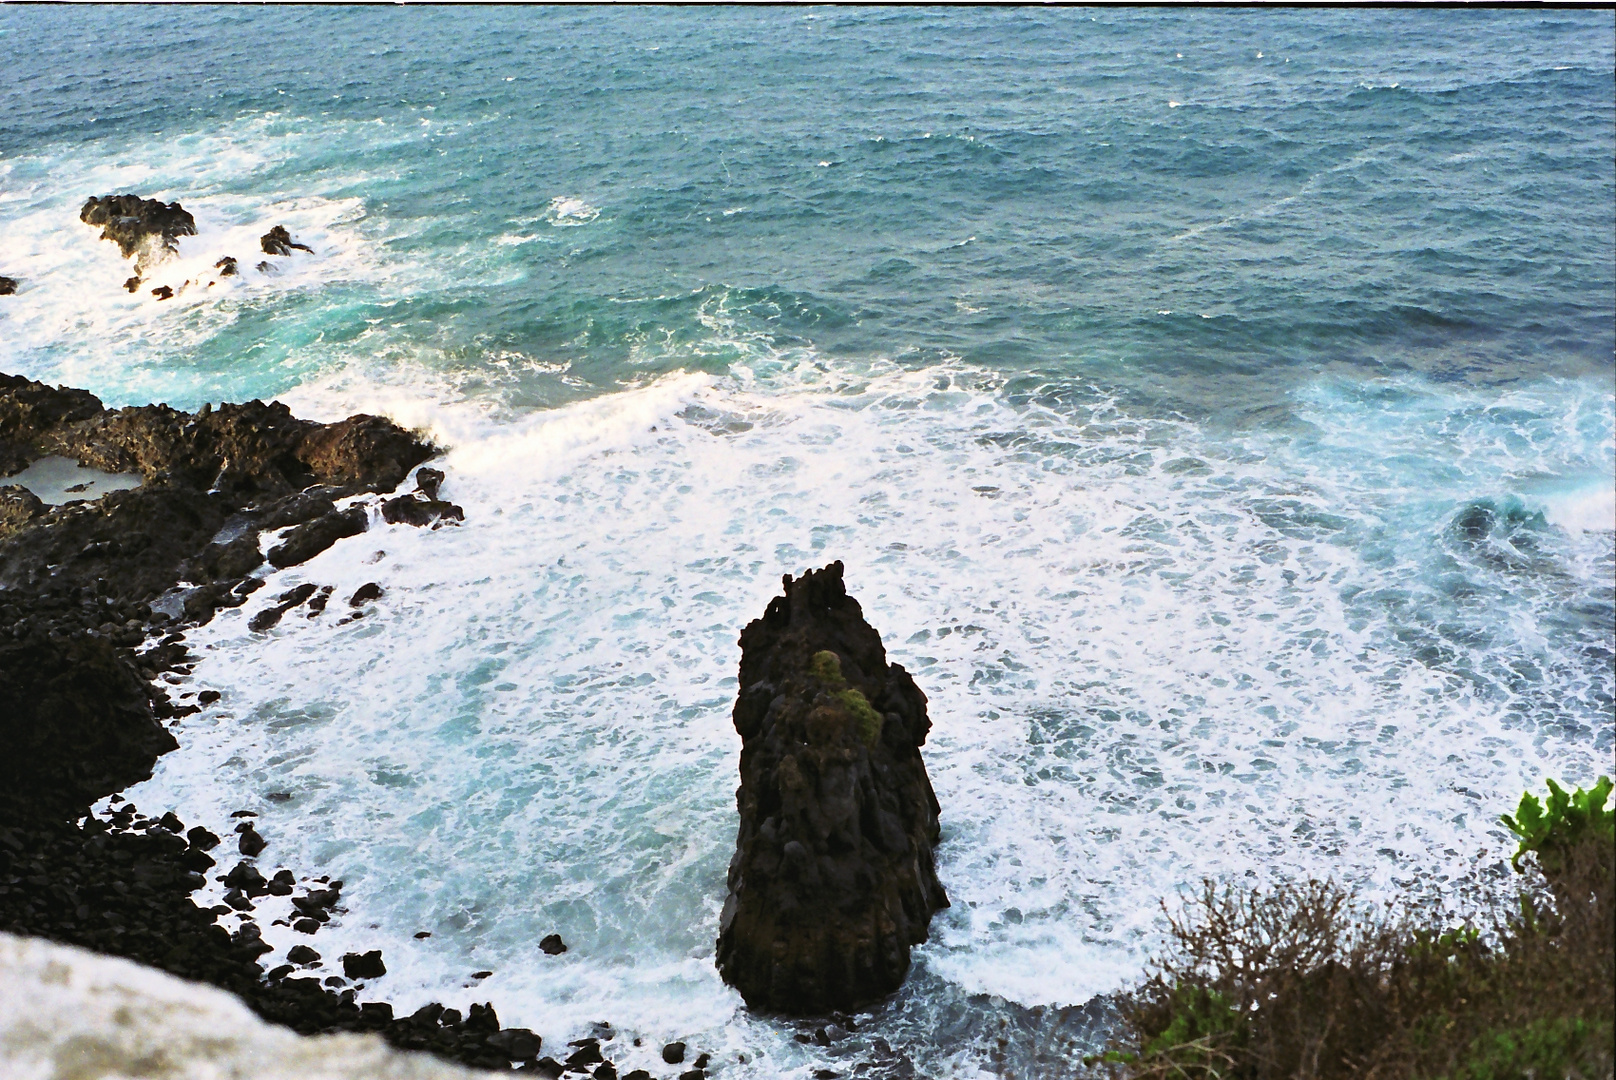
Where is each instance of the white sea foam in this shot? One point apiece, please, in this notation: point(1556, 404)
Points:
point(72, 321)
point(565, 210)
point(1150, 655)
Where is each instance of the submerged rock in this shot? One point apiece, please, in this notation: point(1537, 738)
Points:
point(147, 229)
point(833, 877)
point(278, 241)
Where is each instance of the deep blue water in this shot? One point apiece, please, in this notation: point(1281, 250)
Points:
point(1140, 363)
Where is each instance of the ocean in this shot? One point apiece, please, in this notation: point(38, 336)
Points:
point(1214, 410)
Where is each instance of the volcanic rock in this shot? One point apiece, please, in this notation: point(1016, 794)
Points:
point(144, 228)
point(833, 877)
point(552, 945)
point(7, 286)
point(226, 266)
point(307, 541)
point(366, 966)
point(413, 510)
point(278, 241)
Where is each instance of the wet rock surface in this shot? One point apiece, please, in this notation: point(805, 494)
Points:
point(146, 229)
point(278, 241)
point(833, 878)
point(82, 709)
point(7, 286)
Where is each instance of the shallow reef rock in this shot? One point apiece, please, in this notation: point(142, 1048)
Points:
point(833, 877)
point(147, 229)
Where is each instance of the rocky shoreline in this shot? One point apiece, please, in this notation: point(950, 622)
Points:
point(94, 598)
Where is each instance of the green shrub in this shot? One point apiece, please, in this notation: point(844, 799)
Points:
point(1552, 830)
point(1302, 981)
point(826, 666)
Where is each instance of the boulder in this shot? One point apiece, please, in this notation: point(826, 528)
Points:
point(278, 241)
point(7, 286)
point(833, 878)
point(147, 229)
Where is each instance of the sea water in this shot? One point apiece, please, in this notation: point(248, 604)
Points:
point(1213, 410)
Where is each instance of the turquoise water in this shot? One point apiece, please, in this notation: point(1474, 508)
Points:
point(1214, 411)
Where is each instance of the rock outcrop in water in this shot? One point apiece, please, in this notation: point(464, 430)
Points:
point(833, 877)
point(278, 241)
point(7, 286)
point(147, 229)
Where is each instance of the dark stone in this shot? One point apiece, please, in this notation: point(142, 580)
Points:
point(427, 482)
point(7, 286)
point(365, 593)
point(833, 877)
point(18, 507)
point(637, 1074)
point(306, 926)
point(701, 1061)
point(76, 722)
point(306, 541)
point(163, 292)
point(278, 241)
point(251, 844)
point(605, 1071)
point(552, 945)
point(410, 510)
point(588, 1053)
point(202, 839)
point(674, 1053)
point(547, 1067)
point(518, 1044)
point(246, 877)
point(144, 228)
point(208, 697)
point(364, 965)
point(302, 954)
point(226, 267)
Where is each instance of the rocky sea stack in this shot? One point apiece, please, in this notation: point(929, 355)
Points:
point(833, 877)
point(146, 229)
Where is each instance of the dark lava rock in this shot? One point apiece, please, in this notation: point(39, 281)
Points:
point(76, 718)
point(365, 593)
point(302, 954)
point(202, 839)
point(278, 241)
point(588, 1053)
point(226, 267)
point(251, 844)
point(547, 1067)
point(208, 697)
point(552, 945)
point(637, 1074)
point(163, 292)
point(411, 510)
point(7, 286)
point(833, 877)
point(246, 877)
point(145, 228)
point(18, 507)
point(306, 541)
point(364, 965)
point(427, 482)
point(674, 1053)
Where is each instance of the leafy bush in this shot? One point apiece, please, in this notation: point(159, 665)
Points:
point(1552, 830)
point(1302, 981)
